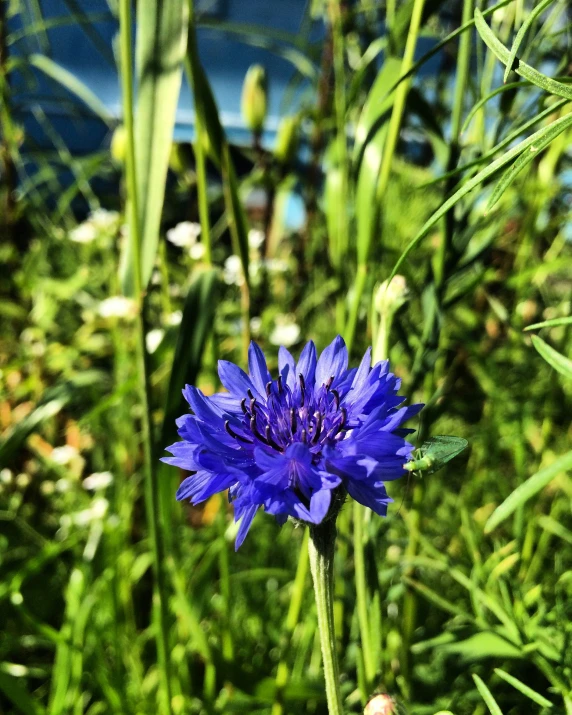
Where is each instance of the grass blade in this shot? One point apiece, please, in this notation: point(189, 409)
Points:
point(540, 80)
point(524, 689)
point(555, 359)
point(550, 323)
point(487, 696)
point(528, 489)
point(535, 12)
point(70, 82)
point(160, 50)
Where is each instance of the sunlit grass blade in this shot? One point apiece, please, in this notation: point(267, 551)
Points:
point(526, 158)
point(74, 85)
point(528, 489)
point(487, 696)
point(540, 80)
point(550, 323)
point(561, 364)
point(161, 43)
point(529, 20)
point(524, 689)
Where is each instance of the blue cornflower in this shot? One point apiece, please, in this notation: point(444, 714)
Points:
point(287, 444)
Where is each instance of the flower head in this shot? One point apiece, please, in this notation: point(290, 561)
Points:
point(287, 444)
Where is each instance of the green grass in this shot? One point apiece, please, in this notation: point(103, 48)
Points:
point(116, 598)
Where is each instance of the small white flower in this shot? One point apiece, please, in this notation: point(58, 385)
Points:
point(22, 480)
point(255, 238)
point(98, 480)
point(86, 232)
point(63, 485)
point(104, 220)
point(63, 455)
point(5, 476)
point(232, 274)
point(153, 339)
point(118, 306)
point(255, 325)
point(197, 251)
point(184, 234)
point(175, 317)
point(286, 333)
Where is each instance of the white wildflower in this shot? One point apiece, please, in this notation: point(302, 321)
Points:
point(85, 232)
point(232, 274)
point(175, 317)
point(98, 480)
point(103, 220)
point(197, 251)
point(255, 238)
point(184, 234)
point(63, 455)
point(286, 332)
point(153, 339)
point(118, 306)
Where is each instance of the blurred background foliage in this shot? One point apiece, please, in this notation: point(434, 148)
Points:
point(130, 269)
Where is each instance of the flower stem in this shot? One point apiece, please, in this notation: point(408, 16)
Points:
point(321, 551)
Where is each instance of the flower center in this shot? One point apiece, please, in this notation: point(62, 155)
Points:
point(311, 416)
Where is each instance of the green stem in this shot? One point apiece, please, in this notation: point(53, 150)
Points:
point(150, 477)
point(321, 551)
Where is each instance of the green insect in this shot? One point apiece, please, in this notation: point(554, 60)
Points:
point(435, 453)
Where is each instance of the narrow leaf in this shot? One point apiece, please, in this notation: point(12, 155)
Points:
point(72, 84)
point(535, 12)
point(550, 323)
point(524, 689)
point(540, 80)
point(555, 359)
point(487, 696)
point(161, 44)
point(528, 489)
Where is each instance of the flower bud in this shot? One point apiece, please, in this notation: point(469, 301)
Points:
point(382, 704)
point(254, 96)
point(119, 144)
point(287, 139)
point(391, 296)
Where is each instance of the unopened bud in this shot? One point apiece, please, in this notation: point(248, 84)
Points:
point(254, 96)
point(287, 139)
point(391, 296)
point(119, 144)
point(382, 704)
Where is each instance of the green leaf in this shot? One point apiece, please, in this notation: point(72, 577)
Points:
point(550, 323)
point(556, 360)
point(534, 13)
point(550, 524)
point(524, 689)
point(161, 44)
point(487, 696)
point(70, 82)
point(195, 328)
point(521, 68)
point(523, 160)
point(528, 489)
point(368, 152)
point(487, 644)
point(564, 122)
